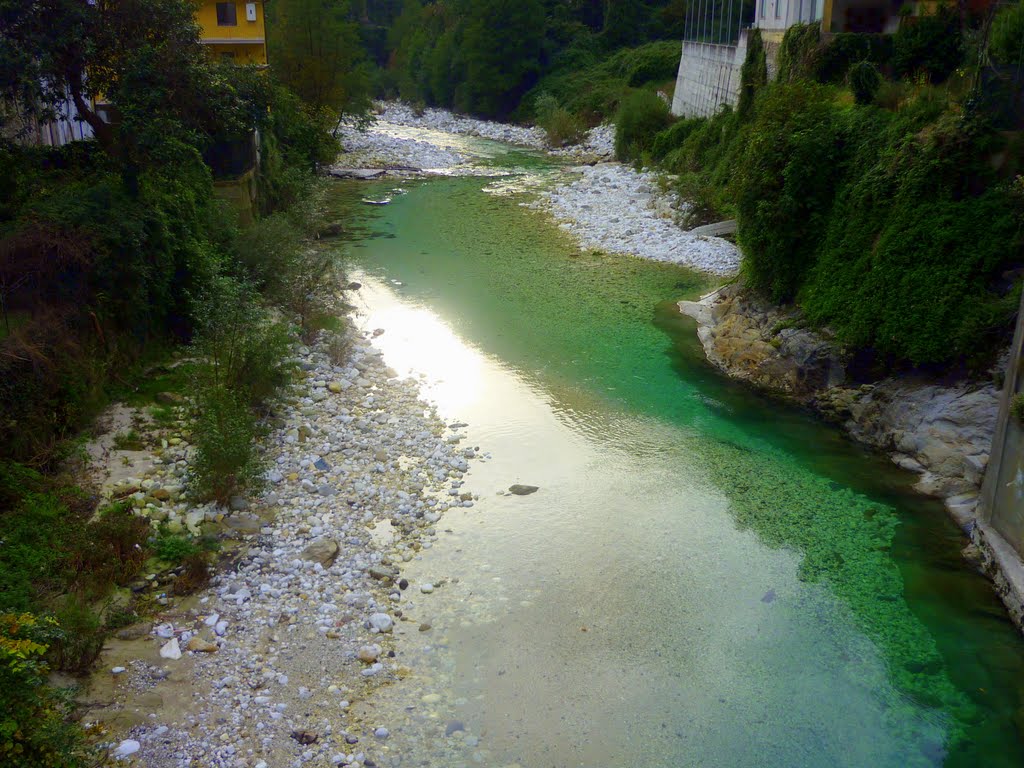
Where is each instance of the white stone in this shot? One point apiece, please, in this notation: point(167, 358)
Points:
point(171, 650)
point(126, 748)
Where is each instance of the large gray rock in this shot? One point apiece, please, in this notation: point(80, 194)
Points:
point(323, 551)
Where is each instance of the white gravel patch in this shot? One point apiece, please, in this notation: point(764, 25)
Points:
point(599, 143)
point(616, 209)
point(379, 147)
point(399, 113)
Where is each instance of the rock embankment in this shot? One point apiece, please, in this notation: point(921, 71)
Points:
point(942, 432)
point(613, 208)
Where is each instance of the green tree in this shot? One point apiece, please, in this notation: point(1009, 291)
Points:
point(142, 57)
point(500, 54)
point(314, 50)
point(624, 22)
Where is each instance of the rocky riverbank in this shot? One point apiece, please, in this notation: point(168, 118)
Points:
point(273, 665)
point(943, 432)
point(611, 207)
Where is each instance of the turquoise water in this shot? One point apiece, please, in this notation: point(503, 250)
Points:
point(706, 577)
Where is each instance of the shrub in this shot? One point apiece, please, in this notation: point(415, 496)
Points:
point(931, 45)
point(174, 547)
point(592, 86)
point(34, 719)
point(242, 350)
point(674, 136)
point(864, 82)
point(227, 461)
point(918, 238)
point(640, 117)
point(194, 575)
point(1017, 407)
point(561, 126)
point(834, 60)
point(1006, 40)
point(798, 52)
point(82, 638)
point(753, 73)
point(786, 185)
point(112, 550)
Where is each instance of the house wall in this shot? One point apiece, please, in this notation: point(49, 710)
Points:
point(246, 39)
point(56, 133)
point(709, 77)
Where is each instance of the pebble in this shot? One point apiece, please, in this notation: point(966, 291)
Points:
point(382, 733)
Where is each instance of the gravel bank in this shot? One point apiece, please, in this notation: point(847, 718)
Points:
point(380, 147)
point(271, 664)
point(400, 113)
point(613, 208)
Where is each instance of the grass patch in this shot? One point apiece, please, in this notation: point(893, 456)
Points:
point(128, 441)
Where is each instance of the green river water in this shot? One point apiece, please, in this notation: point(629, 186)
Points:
point(706, 578)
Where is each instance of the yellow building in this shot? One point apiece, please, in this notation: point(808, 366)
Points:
point(234, 30)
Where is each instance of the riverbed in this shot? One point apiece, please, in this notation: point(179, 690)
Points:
point(703, 577)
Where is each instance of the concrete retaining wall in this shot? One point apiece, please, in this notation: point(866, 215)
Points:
point(709, 77)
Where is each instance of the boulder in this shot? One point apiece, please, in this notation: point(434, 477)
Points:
point(522, 490)
point(323, 551)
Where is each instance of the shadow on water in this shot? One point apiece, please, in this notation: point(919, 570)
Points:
point(512, 285)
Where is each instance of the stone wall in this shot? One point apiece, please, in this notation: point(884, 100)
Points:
point(709, 77)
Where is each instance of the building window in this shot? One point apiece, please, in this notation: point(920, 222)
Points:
point(763, 12)
point(778, 9)
point(226, 15)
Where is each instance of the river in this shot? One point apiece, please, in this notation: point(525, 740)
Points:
point(705, 577)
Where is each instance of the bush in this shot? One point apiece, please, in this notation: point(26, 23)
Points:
point(82, 638)
point(640, 118)
point(929, 45)
point(753, 73)
point(834, 60)
point(1006, 41)
point(798, 52)
point(786, 185)
point(111, 552)
point(561, 126)
point(174, 547)
point(227, 460)
point(917, 242)
point(242, 350)
point(34, 719)
point(592, 86)
point(864, 82)
point(1017, 407)
point(673, 137)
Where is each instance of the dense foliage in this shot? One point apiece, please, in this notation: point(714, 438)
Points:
point(892, 226)
point(112, 251)
point(640, 118)
point(1006, 42)
point(484, 56)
